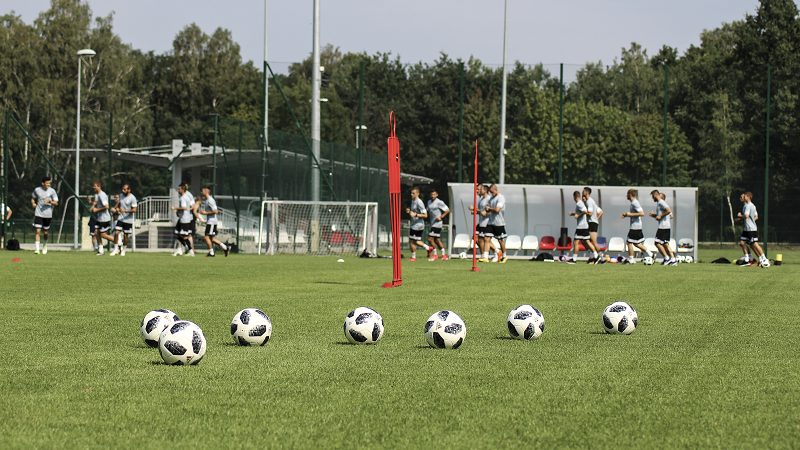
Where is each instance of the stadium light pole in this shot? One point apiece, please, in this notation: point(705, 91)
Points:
point(81, 54)
point(502, 177)
point(315, 100)
point(265, 145)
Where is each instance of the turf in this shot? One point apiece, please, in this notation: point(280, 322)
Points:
point(713, 363)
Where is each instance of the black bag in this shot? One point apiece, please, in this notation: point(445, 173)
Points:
point(12, 245)
point(721, 261)
point(543, 257)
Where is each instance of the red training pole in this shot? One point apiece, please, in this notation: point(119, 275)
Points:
point(394, 202)
point(475, 214)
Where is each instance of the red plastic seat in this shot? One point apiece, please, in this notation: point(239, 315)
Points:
point(602, 242)
point(547, 243)
point(568, 245)
point(581, 247)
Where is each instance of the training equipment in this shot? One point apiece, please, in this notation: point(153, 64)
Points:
point(462, 255)
point(648, 261)
point(445, 329)
point(620, 318)
point(182, 343)
point(363, 326)
point(154, 323)
point(251, 327)
point(525, 322)
point(680, 259)
point(688, 259)
point(393, 161)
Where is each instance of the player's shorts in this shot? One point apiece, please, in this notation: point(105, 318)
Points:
point(593, 226)
point(635, 236)
point(415, 235)
point(582, 234)
point(435, 232)
point(211, 230)
point(749, 236)
point(92, 223)
point(125, 227)
point(184, 229)
point(662, 236)
point(498, 232)
point(42, 222)
point(481, 231)
point(102, 227)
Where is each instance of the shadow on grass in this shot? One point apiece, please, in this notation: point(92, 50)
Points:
point(328, 282)
point(507, 338)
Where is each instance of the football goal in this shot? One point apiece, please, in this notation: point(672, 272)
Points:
point(318, 228)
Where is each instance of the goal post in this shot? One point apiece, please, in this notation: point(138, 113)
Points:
point(318, 228)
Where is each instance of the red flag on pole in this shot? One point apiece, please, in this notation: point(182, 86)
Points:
point(394, 202)
point(475, 215)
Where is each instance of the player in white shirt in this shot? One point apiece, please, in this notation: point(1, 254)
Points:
point(5, 215)
point(581, 214)
point(635, 234)
point(663, 215)
point(594, 213)
point(484, 243)
point(418, 213)
point(208, 208)
point(126, 207)
point(185, 224)
point(102, 212)
point(437, 211)
point(497, 223)
point(43, 200)
point(748, 217)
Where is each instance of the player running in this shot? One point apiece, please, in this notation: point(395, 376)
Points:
point(594, 213)
point(437, 211)
point(208, 208)
point(184, 226)
point(101, 210)
point(635, 235)
point(748, 216)
point(582, 228)
point(497, 223)
point(43, 199)
point(418, 213)
point(126, 207)
point(664, 229)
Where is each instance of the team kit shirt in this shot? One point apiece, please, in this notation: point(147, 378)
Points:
point(417, 207)
point(435, 209)
point(636, 221)
point(44, 210)
point(186, 201)
point(101, 200)
point(496, 218)
point(749, 210)
point(592, 208)
point(583, 224)
point(127, 202)
point(210, 204)
point(661, 210)
point(483, 202)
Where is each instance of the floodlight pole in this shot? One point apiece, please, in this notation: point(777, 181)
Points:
point(87, 52)
point(315, 95)
point(503, 103)
point(266, 103)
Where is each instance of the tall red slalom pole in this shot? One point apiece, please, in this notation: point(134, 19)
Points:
point(394, 203)
point(475, 214)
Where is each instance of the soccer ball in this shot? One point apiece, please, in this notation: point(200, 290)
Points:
point(648, 261)
point(363, 326)
point(620, 318)
point(688, 259)
point(445, 329)
point(525, 322)
point(182, 343)
point(462, 255)
point(154, 323)
point(680, 258)
point(251, 327)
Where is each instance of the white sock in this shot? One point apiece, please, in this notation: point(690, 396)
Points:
point(116, 247)
point(486, 255)
point(746, 257)
point(224, 247)
point(443, 253)
point(649, 254)
point(594, 255)
point(435, 252)
point(37, 245)
point(426, 247)
point(211, 252)
point(414, 255)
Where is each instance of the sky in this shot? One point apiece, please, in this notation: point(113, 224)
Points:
point(572, 32)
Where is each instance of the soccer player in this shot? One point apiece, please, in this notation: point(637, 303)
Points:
point(497, 223)
point(749, 215)
point(5, 215)
point(593, 213)
point(582, 229)
point(209, 209)
point(664, 228)
point(484, 243)
point(635, 234)
point(418, 213)
point(183, 228)
point(126, 207)
point(43, 200)
point(101, 209)
point(437, 211)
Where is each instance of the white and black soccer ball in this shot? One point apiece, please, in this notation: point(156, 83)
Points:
point(648, 261)
point(680, 258)
point(688, 259)
point(620, 318)
point(182, 343)
point(154, 323)
point(363, 326)
point(462, 255)
point(525, 322)
point(251, 326)
point(445, 329)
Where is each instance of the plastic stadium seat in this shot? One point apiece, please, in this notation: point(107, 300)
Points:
point(568, 245)
point(530, 243)
point(300, 237)
point(513, 242)
point(581, 247)
point(602, 242)
point(496, 243)
point(547, 243)
point(462, 241)
point(685, 245)
point(283, 236)
point(650, 244)
point(673, 245)
point(616, 244)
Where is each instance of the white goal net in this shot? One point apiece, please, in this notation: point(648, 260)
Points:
point(318, 228)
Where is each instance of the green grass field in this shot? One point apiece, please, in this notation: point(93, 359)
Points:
point(714, 362)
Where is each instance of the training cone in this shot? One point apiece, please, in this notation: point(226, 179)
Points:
point(16, 260)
